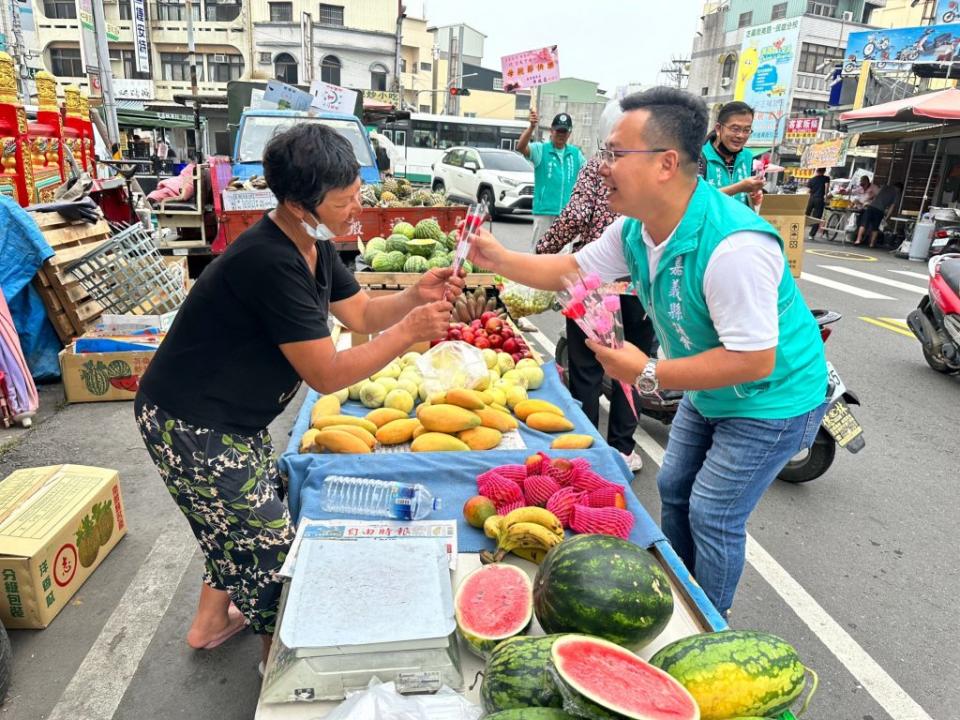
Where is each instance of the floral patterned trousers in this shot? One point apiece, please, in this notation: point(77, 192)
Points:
point(228, 488)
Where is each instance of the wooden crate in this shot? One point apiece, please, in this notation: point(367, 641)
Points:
point(401, 280)
point(69, 306)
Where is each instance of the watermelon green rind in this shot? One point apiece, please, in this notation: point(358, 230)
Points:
point(531, 713)
point(509, 590)
point(603, 586)
point(404, 228)
point(397, 243)
point(735, 672)
point(515, 675)
point(619, 682)
point(576, 704)
point(421, 246)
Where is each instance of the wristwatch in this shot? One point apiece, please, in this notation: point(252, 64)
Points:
point(647, 382)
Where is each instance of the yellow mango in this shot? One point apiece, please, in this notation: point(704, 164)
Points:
point(397, 432)
point(522, 409)
point(548, 422)
point(469, 399)
point(438, 442)
point(481, 438)
point(337, 441)
point(418, 430)
point(487, 397)
point(326, 405)
point(356, 431)
point(502, 421)
point(447, 418)
point(382, 416)
point(325, 422)
point(572, 442)
point(306, 442)
point(500, 408)
point(497, 396)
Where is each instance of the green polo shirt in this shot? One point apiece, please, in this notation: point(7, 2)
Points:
point(554, 175)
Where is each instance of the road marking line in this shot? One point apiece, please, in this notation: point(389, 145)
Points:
point(843, 287)
point(843, 255)
point(910, 273)
point(888, 326)
point(875, 278)
point(896, 321)
point(101, 681)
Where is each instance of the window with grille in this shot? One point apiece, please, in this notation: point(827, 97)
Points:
point(66, 62)
point(378, 78)
point(281, 12)
point(426, 67)
point(813, 57)
point(746, 19)
point(330, 70)
point(176, 11)
point(824, 8)
point(224, 68)
point(125, 11)
point(729, 66)
point(60, 9)
point(286, 69)
point(331, 15)
point(498, 83)
point(779, 11)
point(222, 11)
point(176, 67)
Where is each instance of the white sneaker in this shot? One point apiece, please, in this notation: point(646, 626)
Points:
point(633, 461)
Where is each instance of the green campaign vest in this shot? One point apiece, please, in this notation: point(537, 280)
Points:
point(719, 176)
point(675, 301)
point(554, 175)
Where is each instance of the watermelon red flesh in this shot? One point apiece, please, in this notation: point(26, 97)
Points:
point(618, 680)
point(493, 603)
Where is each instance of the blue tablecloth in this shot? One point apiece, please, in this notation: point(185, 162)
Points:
point(451, 476)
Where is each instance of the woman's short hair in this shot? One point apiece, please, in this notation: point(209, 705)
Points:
point(302, 164)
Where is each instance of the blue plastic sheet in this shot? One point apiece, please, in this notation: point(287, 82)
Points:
point(22, 252)
point(451, 476)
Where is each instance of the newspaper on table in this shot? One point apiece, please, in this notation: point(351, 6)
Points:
point(347, 530)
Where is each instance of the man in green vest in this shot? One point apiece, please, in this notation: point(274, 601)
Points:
point(737, 336)
point(725, 162)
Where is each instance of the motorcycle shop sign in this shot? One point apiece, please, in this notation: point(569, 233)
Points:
point(896, 49)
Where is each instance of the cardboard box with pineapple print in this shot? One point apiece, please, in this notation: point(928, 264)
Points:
point(57, 524)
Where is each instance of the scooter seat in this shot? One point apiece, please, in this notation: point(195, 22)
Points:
point(950, 271)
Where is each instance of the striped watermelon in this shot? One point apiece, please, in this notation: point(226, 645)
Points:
point(516, 675)
point(737, 673)
point(599, 679)
point(603, 586)
point(493, 603)
point(531, 713)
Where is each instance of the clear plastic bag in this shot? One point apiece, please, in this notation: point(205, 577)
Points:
point(381, 701)
point(522, 301)
point(452, 364)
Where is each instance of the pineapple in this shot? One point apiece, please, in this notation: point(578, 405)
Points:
point(88, 543)
point(391, 186)
point(387, 197)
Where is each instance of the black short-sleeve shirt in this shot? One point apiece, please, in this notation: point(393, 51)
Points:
point(220, 365)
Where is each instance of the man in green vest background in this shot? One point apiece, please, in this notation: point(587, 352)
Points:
point(725, 162)
point(737, 336)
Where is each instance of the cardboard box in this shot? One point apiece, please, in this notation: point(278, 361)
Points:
point(98, 377)
point(57, 524)
point(787, 213)
point(110, 324)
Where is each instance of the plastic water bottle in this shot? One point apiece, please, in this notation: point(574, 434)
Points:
point(378, 498)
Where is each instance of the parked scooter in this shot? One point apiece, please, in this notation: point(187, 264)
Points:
point(936, 321)
point(839, 426)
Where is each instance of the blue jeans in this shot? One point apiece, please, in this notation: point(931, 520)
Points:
point(714, 474)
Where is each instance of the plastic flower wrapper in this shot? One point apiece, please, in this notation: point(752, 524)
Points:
point(452, 364)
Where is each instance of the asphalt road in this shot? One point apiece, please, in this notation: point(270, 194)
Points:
point(858, 569)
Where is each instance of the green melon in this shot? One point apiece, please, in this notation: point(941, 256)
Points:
point(516, 676)
point(382, 262)
point(531, 713)
point(428, 229)
point(416, 264)
point(737, 673)
point(397, 243)
point(396, 260)
point(450, 240)
point(405, 229)
point(377, 244)
point(438, 261)
point(421, 247)
point(604, 586)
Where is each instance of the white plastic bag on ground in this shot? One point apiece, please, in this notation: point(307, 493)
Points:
point(381, 701)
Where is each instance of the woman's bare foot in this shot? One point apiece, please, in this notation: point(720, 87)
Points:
point(217, 620)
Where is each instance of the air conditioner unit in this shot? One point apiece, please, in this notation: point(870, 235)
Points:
point(218, 58)
point(847, 16)
point(725, 82)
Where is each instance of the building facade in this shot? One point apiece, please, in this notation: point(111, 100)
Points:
point(582, 100)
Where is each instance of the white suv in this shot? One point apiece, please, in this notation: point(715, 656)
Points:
point(501, 178)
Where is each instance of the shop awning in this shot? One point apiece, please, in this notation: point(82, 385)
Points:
point(932, 107)
point(146, 119)
point(872, 132)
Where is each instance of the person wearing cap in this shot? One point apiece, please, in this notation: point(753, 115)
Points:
point(556, 166)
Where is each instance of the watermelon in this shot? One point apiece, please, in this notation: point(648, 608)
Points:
point(405, 229)
point(516, 675)
point(397, 243)
point(493, 603)
point(377, 244)
point(423, 247)
point(429, 228)
point(737, 672)
point(438, 261)
point(531, 713)
point(603, 586)
point(601, 679)
point(416, 264)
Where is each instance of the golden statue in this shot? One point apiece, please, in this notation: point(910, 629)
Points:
point(46, 91)
point(85, 107)
point(71, 101)
point(8, 81)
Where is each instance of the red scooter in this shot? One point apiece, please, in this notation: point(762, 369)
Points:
point(936, 321)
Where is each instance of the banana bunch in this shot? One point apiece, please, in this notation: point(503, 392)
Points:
point(527, 532)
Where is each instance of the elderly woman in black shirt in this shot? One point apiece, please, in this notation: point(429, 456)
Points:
point(252, 329)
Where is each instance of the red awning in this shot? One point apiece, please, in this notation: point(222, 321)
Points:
point(930, 107)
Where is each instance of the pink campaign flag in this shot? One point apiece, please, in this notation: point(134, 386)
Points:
point(530, 68)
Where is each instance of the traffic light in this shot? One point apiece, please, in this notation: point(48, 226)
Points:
point(459, 92)
point(815, 112)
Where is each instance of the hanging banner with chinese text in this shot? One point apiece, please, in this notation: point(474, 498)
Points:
point(530, 68)
point(141, 49)
point(832, 153)
point(802, 129)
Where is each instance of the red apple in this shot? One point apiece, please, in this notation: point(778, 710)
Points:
point(487, 315)
point(510, 345)
point(482, 343)
point(506, 332)
point(493, 325)
point(476, 324)
point(454, 334)
point(495, 340)
point(467, 336)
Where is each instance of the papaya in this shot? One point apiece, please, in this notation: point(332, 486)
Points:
point(325, 422)
point(490, 418)
point(382, 416)
point(397, 431)
point(469, 399)
point(548, 422)
point(306, 442)
point(337, 441)
point(438, 442)
point(526, 407)
point(356, 431)
point(447, 418)
point(326, 405)
point(572, 442)
point(481, 438)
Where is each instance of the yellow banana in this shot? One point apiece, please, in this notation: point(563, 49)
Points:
point(534, 555)
point(527, 535)
point(491, 526)
point(533, 514)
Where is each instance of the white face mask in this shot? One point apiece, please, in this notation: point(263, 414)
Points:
point(319, 231)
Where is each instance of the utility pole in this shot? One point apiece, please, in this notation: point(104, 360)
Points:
point(106, 72)
point(397, 81)
point(11, 27)
point(194, 90)
point(676, 71)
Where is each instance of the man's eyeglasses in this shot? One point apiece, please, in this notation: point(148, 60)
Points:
point(609, 156)
point(737, 130)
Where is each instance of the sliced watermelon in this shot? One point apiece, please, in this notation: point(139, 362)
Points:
point(492, 604)
point(614, 678)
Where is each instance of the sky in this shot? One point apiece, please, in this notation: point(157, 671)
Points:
point(614, 42)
